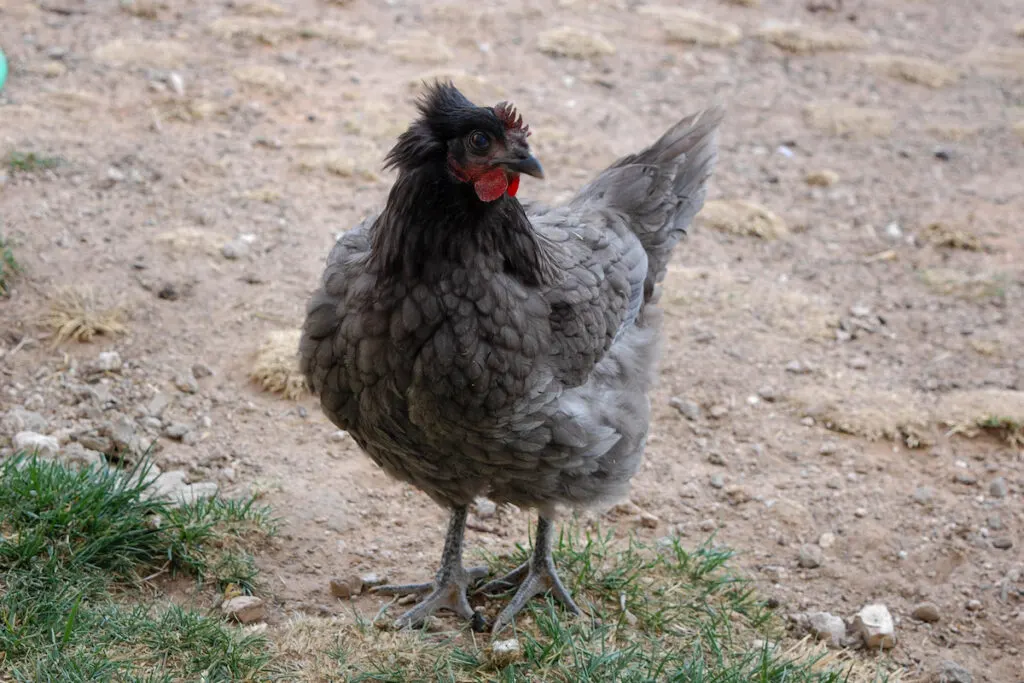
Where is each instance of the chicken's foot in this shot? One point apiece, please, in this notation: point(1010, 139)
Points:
point(448, 589)
point(536, 576)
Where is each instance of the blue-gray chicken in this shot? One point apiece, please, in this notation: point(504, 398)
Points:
point(474, 346)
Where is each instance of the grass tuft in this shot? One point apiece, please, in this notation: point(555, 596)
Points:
point(30, 162)
point(79, 315)
point(76, 551)
point(8, 265)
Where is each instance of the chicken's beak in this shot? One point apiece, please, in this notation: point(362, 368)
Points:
point(525, 163)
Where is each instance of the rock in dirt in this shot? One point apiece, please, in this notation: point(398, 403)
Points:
point(827, 627)
point(201, 370)
point(109, 361)
point(484, 508)
point(927, 612)
point(234, 250)
point(689, 409)
point(923, 495)
point(875, 626)
point(504, 652)
point(998, 488)
point(346, 588)
point(176, 431)
point(76, 456)
point(34, 442)
point(193, 493)
point(373, 579)
point(951, 672)
point(1003, 543)
point(186, 383)
point(245, 609)
point(22, 420)
point(811, 556)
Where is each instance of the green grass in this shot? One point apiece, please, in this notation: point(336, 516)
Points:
point(30, 162)
point(79, 552)
point(8, 265)
point(76, 550)
point(656, 613)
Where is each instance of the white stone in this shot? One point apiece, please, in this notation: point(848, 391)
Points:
point(827, 627)
point(33, 442)
point(244, 609)
point(875, 626)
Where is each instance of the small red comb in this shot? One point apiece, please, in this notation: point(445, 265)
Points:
point(506, 113)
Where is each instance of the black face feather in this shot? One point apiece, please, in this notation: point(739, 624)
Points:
point(431, 217)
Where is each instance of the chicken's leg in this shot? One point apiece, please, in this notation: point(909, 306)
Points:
point(536, 576)
point(448, 590)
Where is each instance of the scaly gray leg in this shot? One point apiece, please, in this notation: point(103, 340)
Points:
point(448, 589)
point(536, 576)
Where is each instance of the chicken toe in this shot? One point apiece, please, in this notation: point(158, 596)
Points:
point(537, 576)
point(448, 591)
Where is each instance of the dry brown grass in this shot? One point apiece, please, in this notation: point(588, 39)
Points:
point(276, 366)
point(188, 239)
point(997, 62)
point(420, 47)
point(870, 413)
point(80, 314)
point(575, 43)
point(974, 411)
point(951, 282)
point(914, 70)
point(740, 217)
point(842, 119)
point(801, 39)
point(942, 235)
point(135, 52)
point(692, 28)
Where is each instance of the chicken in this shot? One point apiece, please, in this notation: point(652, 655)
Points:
point(473, 346)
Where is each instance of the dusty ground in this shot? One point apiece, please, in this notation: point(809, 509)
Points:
point(819, 341)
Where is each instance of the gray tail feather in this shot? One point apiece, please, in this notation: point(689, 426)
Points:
point(662, 188)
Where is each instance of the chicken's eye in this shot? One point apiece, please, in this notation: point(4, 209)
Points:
point(479, 141)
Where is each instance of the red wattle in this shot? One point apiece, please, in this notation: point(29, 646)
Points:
point(491, 185)
point(513, 186)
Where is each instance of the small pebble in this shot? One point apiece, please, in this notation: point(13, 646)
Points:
point(346, 588)
point(965, 478)
point(186, 384)
point(689, 409)
point(234, 250)
point(1002, 543)
point(924, 494)
point(176, 431)
point(998, 488)
point(717, 481)
point(201, 371)
point(827, 540)
point(951, 672)
point(927, 612)
point(973, 605)
point(108, 361)
point(811, 556)
point(244, 609)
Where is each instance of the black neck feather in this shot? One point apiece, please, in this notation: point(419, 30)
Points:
point(431, 221)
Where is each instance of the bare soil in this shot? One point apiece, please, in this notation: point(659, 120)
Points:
point(847, 331)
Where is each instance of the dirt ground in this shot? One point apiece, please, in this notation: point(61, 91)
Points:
point(842, 325)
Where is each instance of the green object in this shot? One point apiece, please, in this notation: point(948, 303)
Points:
point(3, 69)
